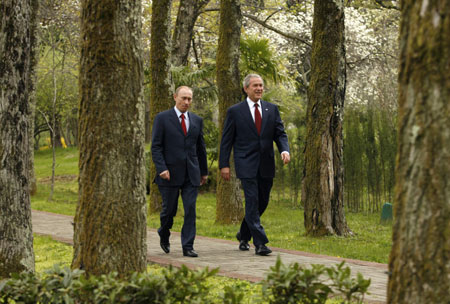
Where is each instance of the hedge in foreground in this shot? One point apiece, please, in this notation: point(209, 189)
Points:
point(284, 284)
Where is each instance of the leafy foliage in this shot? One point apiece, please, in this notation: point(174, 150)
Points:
point(284, 284)
point(257, 57)
point(62, 285)
point(298, 284)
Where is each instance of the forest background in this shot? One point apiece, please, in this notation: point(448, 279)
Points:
point(111, 139)
point(276, 43)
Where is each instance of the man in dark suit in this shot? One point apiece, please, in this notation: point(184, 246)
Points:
point(250, 128)
point(179, 154)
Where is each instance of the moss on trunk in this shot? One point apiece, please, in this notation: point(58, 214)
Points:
point(229, 203)
point(160, 81)
point(420, 258)
point(322, 193)
point(110, 221)
point(17, 42)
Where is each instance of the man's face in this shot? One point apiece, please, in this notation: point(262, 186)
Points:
point(183, 99)
point(255, 89)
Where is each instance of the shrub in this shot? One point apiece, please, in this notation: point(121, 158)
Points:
point(284, 284)
point(67, 286)
point(297, 284)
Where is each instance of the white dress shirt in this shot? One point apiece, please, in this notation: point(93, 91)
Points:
point(186, 117)
point(251, 105)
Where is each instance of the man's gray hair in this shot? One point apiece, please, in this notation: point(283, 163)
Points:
point(247, 78)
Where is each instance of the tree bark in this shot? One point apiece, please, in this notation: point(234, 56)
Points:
point(32, 95)
point(420, 258)
point(229, 203)
point(160, 83)
point(322, 192)
point(17, 49)
point(110, 221)
point(188, 12)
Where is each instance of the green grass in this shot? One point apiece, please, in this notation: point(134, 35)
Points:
point(66, 162)
point(48, 252)
point(282, 222)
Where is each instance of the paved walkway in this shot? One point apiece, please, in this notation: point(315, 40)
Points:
point(224, 254)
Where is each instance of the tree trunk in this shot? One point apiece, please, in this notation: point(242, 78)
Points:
point(110, 221)
point(32, 96)
point(148, 126)
point(188, 12)
point(229, 205)
point(323, 186)
point(420, 258)
point(160, 83)
point(17, 50)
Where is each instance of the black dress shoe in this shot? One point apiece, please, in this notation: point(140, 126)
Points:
point(190, 253)
point(262, 250)
point(243, 244)
point(165, 247)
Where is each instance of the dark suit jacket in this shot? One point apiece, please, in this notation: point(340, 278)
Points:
point(252, 152)
point(173, 151)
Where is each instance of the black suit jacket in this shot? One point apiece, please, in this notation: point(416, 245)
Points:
point(252, 152)
point(173, 151)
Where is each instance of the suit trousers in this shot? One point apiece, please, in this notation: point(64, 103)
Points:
point(170, 196)
point(257, 194)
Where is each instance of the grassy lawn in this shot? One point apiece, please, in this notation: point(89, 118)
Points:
point(282, 222)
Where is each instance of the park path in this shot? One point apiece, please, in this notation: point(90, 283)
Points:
point(225, 254)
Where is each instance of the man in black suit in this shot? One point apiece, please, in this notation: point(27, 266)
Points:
point(250, 128)
point(179, 154)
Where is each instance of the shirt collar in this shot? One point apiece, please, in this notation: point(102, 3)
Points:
point(251, 103)
point(179, 112)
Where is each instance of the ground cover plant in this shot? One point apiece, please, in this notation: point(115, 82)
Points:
point(283, 284)
point(54, 257)
point(282, 221)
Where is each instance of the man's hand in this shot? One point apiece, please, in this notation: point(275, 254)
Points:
point(203, 180)
point(225, 173)
point(165, 175)
point(285, 157)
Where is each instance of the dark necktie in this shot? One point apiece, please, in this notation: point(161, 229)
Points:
point(183, 124)
point(257, 119)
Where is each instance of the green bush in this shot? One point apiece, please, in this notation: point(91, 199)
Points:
point(297, 284)
point(66, 286)
point(55, 286)
point(284, 284)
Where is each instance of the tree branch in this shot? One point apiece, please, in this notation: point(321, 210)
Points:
point(267, 26)
point(46, 120)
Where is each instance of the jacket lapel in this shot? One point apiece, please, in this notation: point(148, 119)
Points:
point(265, 115)
point(247, 116)
point(192, 124)
point(176, 121)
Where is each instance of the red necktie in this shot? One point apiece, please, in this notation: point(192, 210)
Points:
point(257, 119)
point(183, 124)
